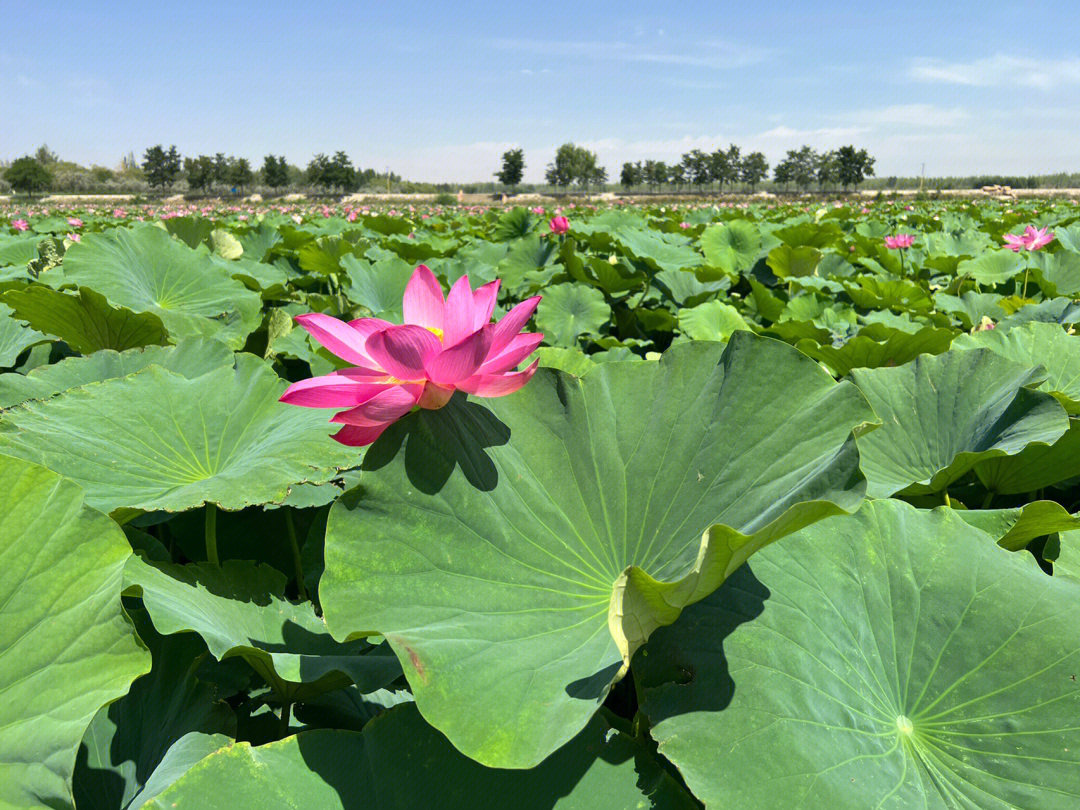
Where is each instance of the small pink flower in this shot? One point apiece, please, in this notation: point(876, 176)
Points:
point(901, 241)
point(539, 210)
point(75, 222)
point(445, 345)
point(20, 225)
point(75, 237)
point(684, 225)
point(559, 225)
point(1034, 239)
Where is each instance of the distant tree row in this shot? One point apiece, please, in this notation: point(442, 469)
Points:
point(163, 167)
point(804, 167)
point(575, 165)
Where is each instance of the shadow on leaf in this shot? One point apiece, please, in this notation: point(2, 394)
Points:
point(436, 442)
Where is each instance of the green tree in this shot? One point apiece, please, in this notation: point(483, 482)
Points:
point(853, 166)
point(200, 172)
point(566, 167)
point(28, 176)
point(826, 169)
point(45, 156)
point(240, 174)
point(753, 169)
point(221, 169)
point(697, 168)
point(342, 175)
point(318, 171)
point(724, 165)
point(161, 167)
point(513, 168)
point(656, 174)
point(275, 171)
point(631, 175)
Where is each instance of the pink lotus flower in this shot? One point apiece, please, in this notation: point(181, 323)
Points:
point(1032, 239)
point(20, 225)
point(559, 225)
point(75, 222)
point(901, 241)
point(684, 225)
point(444, 346)
point(539, 210)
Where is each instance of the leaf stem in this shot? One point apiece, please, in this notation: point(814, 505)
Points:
point(211, 534)
point(989, 499)
point(298, 566)
point(283, 722)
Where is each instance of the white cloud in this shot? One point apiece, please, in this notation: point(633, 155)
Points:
point(1000, 70)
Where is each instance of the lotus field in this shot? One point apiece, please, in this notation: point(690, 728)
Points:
point(630, 506)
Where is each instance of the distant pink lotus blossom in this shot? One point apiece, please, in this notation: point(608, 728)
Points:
point(20, 225)
point(444, 346)
point(75, 222)
point(559, 225)
point(75, 237)
point(539, 210)
point(684, 225)
point(901, 241)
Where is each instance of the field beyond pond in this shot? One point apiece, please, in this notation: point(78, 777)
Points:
point(782, 510)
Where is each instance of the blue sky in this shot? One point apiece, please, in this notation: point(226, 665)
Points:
point(437, 91)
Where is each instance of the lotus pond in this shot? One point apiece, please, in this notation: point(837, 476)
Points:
point(775, 514)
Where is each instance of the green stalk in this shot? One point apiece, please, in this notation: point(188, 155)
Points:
point(211, 534)
point(989, 499)
point(283, 723)
point(298, 566)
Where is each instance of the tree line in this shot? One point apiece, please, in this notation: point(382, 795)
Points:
point(203, 173)
point(803, 168)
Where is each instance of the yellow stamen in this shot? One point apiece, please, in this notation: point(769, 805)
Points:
point(435, 331)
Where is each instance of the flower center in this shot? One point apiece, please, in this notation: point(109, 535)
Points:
point(436, 331)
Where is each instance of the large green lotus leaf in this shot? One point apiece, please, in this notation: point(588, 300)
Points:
point(1036, 466)
point(991, 266)
point(1058, 273)
point(239, 609)
point(66, 646)
point(684, 288)
point(657, 250)
point(586, 512)
point(971, 307)
point(529, 261)
point(731, 247)
point(85, 320)
point(378, 286)
point(569, 311)
point(1015, 528)
point(864, 351)
point(137, 746)
point(713, 320)
point(158, 440)
point(902, 295)
point(15, 336)
point(399, 762)
point(944, 414)
point(896, 658)
point(1038, 344)
point(146, 270)
point(323, 255)
point(190, 358)
point(787, 261)
point(571, 361)
point(1067, 558)
point(17, 250)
